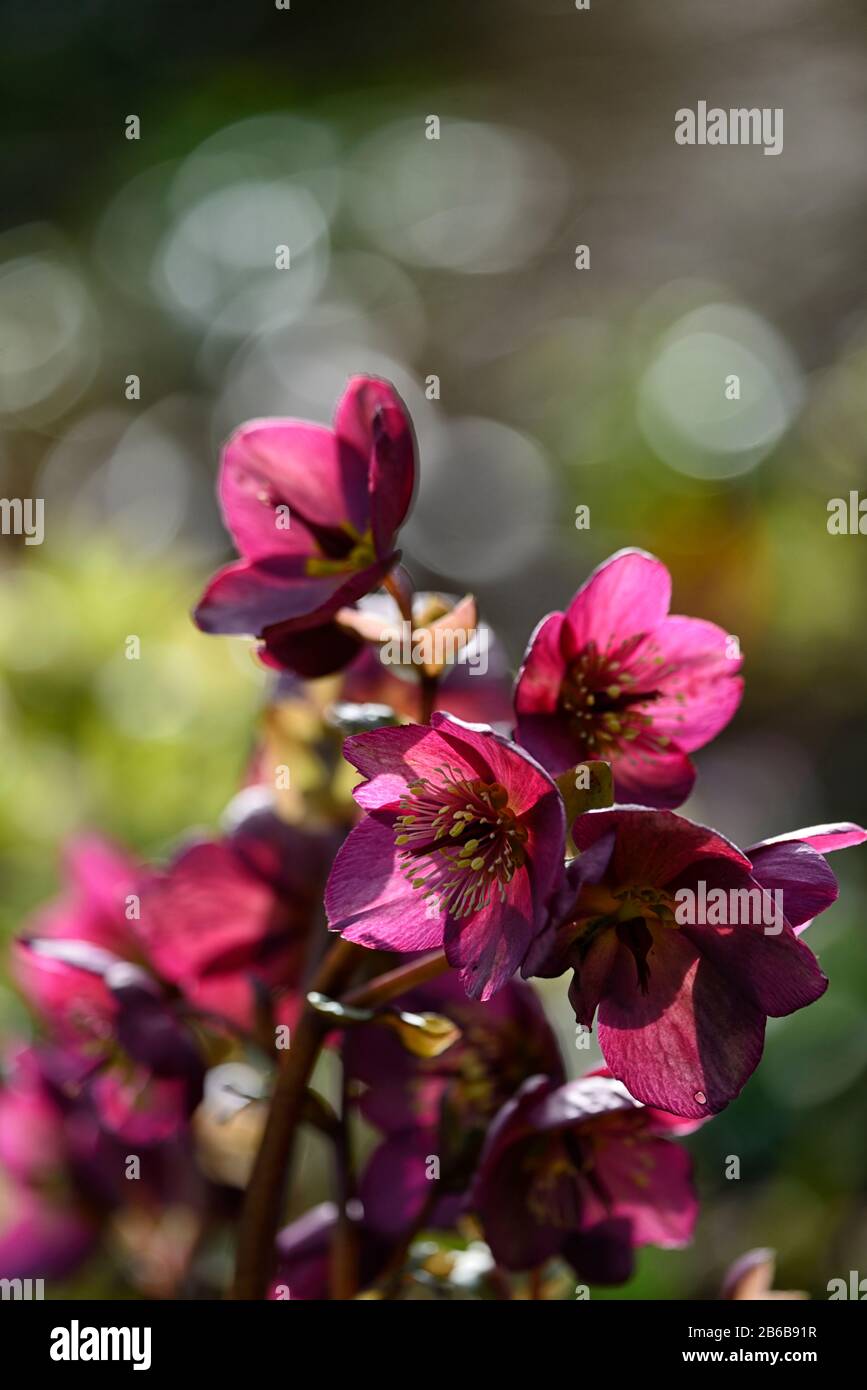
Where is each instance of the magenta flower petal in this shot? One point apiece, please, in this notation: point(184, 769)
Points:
point(629, 593)
point(807, 882)
point(489, 947)
point(31, 1122)
point(669, 1219)
point(654, 847)
point(303, 1270)
point(686, 662)
point(248, 597)
point(615, 678)
point(675, 939)
point(690, 1042)
point(775, 972)
point(300, 466)
point(498, 758)
point(651, 776)
point(233, 915)
point(372, 419)
point(369, 899)
point(590, 981)
point(390, 758)
point(102, 876)
point(453, 1097)
point(464, 845)
point(92, 912)
point(141, 1108)
point(543, 669)
point(394, 1186)
point(549, 954)
point(314, 514)
point(310, 652)
point(63, 980)
point(564, 1162)
point(823, 838)
point(41, 1237)
point(662, 1122)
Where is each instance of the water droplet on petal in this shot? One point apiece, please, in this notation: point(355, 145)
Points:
point(700, 1098)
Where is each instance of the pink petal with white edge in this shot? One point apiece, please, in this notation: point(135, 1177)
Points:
point(824, 838)
point(801, 873)
point(628, 594)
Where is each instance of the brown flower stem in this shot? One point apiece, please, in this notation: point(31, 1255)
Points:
point(427, 683)
point(396, 982)
point(500, 1283)
point(403, 600)
point(427, 695)
point(345, 1244)
point(260, 1216)
point(262, 1202)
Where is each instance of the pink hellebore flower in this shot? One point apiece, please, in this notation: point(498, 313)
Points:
point(616, 677)
point(231, 919)
point(314, 513)
point(44, 1229)
point(461, 844)
point(92, 923)
point(584, 1172)
point(686, 945)
point(304, 1255)
point(442, 1104)
point(80, 965)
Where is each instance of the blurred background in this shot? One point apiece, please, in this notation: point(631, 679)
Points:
point(452, 259)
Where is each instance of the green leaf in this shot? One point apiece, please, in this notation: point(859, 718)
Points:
point(586, 787)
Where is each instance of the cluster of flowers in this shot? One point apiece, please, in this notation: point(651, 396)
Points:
point(163, 993)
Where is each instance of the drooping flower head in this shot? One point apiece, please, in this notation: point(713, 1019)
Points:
point(616, 677)
point(304, 1255)
point(94, 916)
point(443, 1105)
point(234, 915)
point(461, 845)
point(314, 513)
point(685, 946)
point(82, 967)
point(581, 1171)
